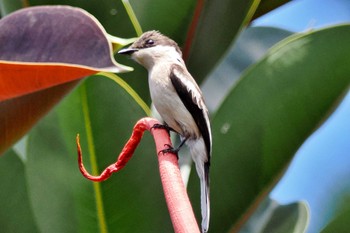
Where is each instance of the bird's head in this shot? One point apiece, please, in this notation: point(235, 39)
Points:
point(152, 47)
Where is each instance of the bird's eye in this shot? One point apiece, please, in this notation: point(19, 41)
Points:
point(149, 42)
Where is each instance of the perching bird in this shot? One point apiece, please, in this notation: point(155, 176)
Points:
point(179, 101)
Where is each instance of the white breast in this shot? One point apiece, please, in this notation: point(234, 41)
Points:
point(168, 103)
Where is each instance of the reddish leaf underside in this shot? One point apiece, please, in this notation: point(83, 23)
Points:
point(18, 79)
point(18, 115)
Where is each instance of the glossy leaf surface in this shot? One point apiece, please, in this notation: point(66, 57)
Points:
point(341, 222)
point(251, 45)
point(16, 212)
point(266, 6)
point(216, 30)
point(274, 107)
point(274, 217)
point(43, 50)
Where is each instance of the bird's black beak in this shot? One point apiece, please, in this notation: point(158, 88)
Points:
point(127, 51)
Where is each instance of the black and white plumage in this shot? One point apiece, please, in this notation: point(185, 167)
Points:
point(179, 101)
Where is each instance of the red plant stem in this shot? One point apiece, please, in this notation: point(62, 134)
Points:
point(179, 206)
point(123, 158)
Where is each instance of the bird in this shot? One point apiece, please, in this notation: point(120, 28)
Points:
point(179, 101)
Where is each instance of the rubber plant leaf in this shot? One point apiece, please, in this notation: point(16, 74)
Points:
point(44, 52)
point(214, 27)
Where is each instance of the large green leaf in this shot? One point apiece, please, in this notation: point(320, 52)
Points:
point(266, 6)
point(251, 45)
point(341, 222)
point(15, 210)
point(63, 200)
point(274, 107)
point(273, 217)
point(219, 24)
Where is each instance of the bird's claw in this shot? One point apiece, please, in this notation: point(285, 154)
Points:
point(161, 126)
point(170, 149)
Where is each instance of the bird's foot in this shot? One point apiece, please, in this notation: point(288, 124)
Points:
point(161, 126)
point(170, 149)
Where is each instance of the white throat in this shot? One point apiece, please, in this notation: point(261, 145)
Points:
point(159, 55)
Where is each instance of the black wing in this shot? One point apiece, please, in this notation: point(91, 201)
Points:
point(191, 96)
